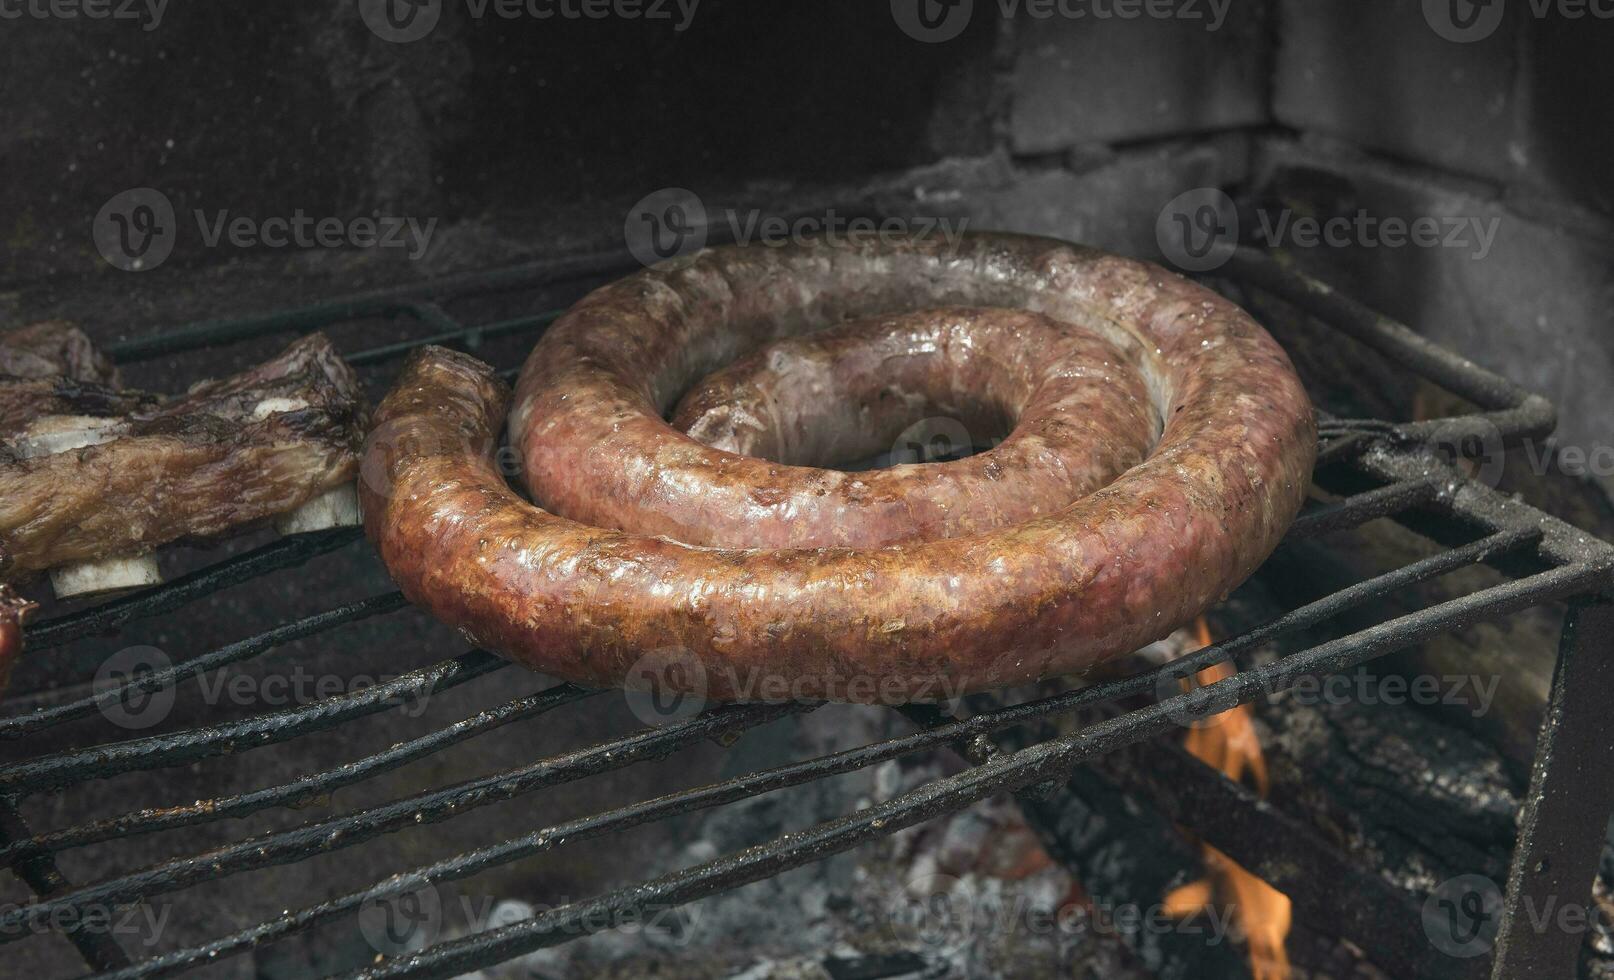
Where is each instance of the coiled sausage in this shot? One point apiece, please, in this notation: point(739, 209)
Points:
point(578, 597)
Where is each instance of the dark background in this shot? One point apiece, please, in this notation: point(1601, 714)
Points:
point(528, 137)
point(531, 139)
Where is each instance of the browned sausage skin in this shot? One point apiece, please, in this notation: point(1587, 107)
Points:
point(1112, 571)
point(1081, 415)
point(14, 610)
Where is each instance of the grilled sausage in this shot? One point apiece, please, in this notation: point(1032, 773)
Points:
point(918, 619)
point(14, 610)
point(1079, 412)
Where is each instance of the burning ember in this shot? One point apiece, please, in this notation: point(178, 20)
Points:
point(1229, 743)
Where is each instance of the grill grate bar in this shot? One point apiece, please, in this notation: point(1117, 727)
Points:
point(1426, 496)
point(1503, 542)
point(1512, 411)
point(300, 790)
point(420, 301)
point(287, 552)
point(99, 949)
point(459, 337)
point(1343, 447)
point(270, 848)
point(323, 836)
point(1006, 773)
point(1363, 507)
point(936, 734)
point(19, 725)
point(595, 825)
point(159, 751)
point(302, 320)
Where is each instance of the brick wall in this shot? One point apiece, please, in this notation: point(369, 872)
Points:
point(1390, 109)
point(1086, 81)
point(1522, 105)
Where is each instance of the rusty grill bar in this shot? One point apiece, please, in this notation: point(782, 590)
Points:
point(1546, 559)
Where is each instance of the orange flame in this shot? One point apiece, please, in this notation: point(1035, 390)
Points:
point(1263, 913)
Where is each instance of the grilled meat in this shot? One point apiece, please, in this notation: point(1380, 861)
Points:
point(102, 483)
point(54, 348)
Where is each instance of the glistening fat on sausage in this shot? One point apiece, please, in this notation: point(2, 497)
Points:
point(580, 597)
point(1080, 416)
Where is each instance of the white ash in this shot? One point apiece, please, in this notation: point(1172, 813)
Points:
point(104, 575)
point(853, 905)
point(336, 507)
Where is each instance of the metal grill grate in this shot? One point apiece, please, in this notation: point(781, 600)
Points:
point(1392, 473)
